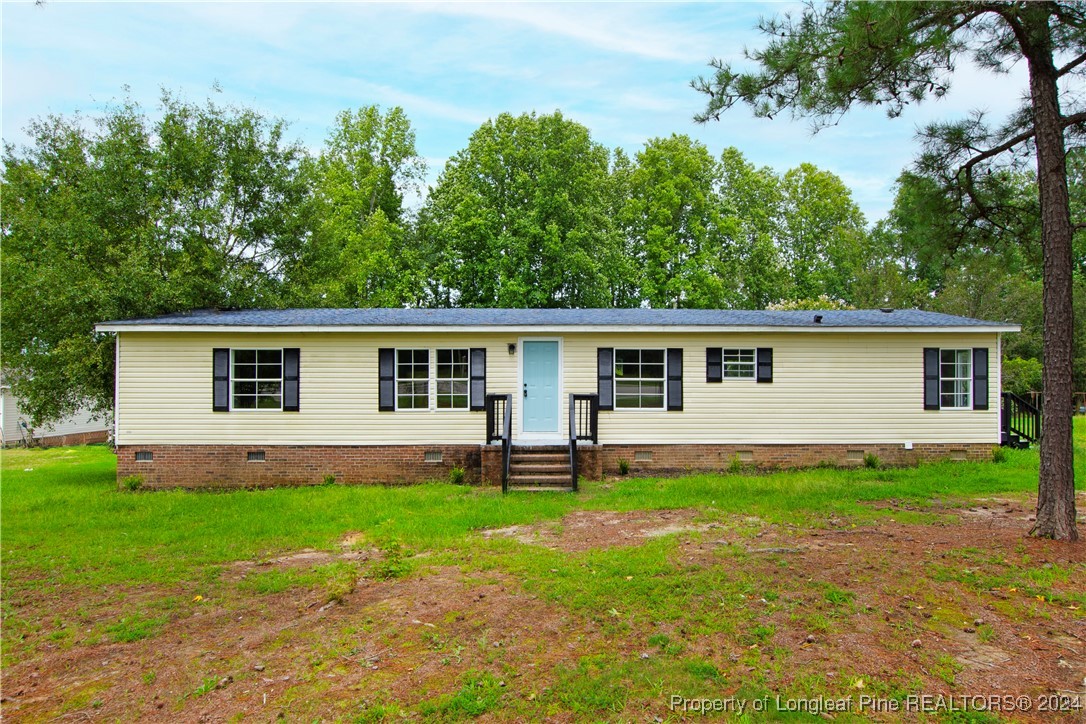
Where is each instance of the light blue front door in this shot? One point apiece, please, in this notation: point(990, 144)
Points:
point(540, 393)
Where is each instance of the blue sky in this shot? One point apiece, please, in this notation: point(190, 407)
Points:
point(622, 69)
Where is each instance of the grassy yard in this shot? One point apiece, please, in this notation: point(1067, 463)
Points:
point(441, 602)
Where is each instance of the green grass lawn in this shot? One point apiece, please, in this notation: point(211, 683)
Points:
point(118, 567)
point(63, 515)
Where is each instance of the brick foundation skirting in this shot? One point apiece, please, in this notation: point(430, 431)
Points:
point(198, 466)
point(671, 459)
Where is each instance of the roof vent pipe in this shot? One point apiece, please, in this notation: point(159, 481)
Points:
point(818, 319)
point(886, 310)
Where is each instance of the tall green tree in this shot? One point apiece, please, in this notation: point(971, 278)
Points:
point(226, 193)
point(982, 266)
point(751, 201)
point(519, 218)
point(625, 263)
point(832, 57)
point(822, 236)
point(672, 217)
point(126, 217)
point(361, 252)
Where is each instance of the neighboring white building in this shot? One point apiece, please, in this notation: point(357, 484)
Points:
point(79, 429)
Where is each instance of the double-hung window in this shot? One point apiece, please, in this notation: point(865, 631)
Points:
point(412, 379)
point(737, 364)
point(452, 379)
point(955, 379)
point(639, 379)
point(257, 379)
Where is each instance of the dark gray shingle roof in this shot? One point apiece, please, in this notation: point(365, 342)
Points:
point(553, 318)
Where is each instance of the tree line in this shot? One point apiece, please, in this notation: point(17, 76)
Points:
point(123, 215)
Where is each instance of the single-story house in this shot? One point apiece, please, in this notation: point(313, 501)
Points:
point(80, 428)
point(302, 396)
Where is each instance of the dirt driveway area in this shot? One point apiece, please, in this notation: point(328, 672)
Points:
point(949, 607)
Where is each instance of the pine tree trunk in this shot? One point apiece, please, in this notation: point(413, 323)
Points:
point(1056, 490)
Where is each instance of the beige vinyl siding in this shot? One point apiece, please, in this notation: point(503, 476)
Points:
point(827, 388)
point(165, 391)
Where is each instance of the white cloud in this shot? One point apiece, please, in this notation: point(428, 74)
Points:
point(614, 29)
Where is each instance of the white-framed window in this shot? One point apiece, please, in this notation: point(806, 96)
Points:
point(412, 379)
point(640, 377)
point(737, 364)
point(256, 379)
point(955, 379)
point(452, 379)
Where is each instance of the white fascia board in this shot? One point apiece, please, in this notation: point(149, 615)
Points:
point(521, 329)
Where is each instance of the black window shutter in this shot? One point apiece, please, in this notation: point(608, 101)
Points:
point(220, 357)
point(605, 377)
point(931, 378)
point(713, 365)
point(765, 364)
point(674, 379)
point(291, 363)
point(980, 378)
point(478, 379)
point(386, 379)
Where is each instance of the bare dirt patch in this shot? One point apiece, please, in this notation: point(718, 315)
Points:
point(587, 529)
point(947, 603)
point(948, 607)
point(402, 641)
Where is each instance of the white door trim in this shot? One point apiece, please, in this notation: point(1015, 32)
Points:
point(544, 437)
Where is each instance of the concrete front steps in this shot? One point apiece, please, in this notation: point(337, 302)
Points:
point(540, 468)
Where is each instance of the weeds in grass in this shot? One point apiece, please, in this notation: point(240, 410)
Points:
point(623, 467)
point(758, 634)
point(985, 633)
point(946, 668)
point(457, 476)
point(702, 669)
point(340, 579)
point(329, 479)
point(479, 693)
point(872, 462)
point(818, 622)
point(134, 628)
point(379, 713)
point(132, 483)
point(455, 657)
point(595, 685)
point(275, 581)
point(394, 563)
point(209, 684)
point(665, 644)
point(836, 596)
point(999, 454)
point(149, 677)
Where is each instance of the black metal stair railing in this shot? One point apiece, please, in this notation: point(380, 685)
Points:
point(1020, 420)
point(499, 426)
point(584, 416)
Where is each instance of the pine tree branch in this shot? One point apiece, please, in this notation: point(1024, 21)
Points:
point(1071, 66)
point(1013, 141)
